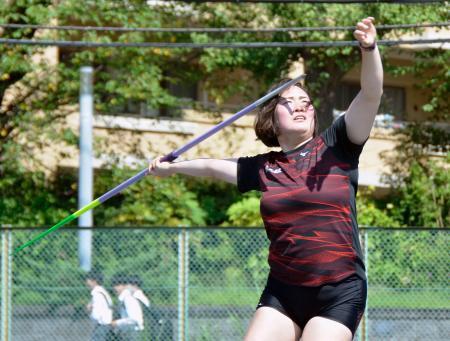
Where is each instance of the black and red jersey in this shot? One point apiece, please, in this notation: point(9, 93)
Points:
point(308, 207)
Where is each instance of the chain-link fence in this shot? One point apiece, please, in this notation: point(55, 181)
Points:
point(204, 283)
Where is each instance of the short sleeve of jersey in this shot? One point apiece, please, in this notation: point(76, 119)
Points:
point(336, 137)
point(248, 173)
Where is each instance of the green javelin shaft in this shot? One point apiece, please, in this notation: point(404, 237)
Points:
point(73, 216)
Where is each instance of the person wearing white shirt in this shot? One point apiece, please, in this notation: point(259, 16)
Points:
point(100, 307)
point(135, 285)
point(140, 296)
point(131, 321)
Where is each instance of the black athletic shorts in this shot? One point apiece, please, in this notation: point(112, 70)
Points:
point(343, 301)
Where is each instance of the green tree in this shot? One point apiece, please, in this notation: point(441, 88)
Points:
point(245, 212)
point(214, 197)
point(416, 141)
point(31, 199)
point(151, 201)
point(16, 66)
point(425, 195)
point(372, 212)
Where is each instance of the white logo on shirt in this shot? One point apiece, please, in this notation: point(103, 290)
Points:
point(272, 170)
point(303, 154)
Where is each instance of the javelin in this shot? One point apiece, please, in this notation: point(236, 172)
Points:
point(167, 158)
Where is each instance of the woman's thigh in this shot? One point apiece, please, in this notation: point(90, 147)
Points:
point(269, 324)
point(324, 329)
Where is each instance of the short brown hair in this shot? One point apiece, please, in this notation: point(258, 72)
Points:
point(266, 126)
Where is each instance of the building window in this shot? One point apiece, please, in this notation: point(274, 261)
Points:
point(132, 107)
point(393, 101)
point(184, 92)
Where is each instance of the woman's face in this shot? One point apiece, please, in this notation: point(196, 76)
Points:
point(295, 113)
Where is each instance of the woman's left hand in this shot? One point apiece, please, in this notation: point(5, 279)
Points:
point(365, 32)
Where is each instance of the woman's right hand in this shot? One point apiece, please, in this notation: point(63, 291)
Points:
point(158, 168)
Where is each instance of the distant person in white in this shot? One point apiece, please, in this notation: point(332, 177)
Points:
point(131, 321)
point(100, 307)
point(135, 284)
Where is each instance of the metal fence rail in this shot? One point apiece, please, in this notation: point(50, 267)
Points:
point(204, 283)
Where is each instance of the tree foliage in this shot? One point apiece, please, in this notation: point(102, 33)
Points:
point(151, 201)
point(245, 212)
point(374, 213)
point(425, 195)
point(31, 199)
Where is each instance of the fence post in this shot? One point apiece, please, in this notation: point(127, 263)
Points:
point(6, 284)
point(183, 281)
point(365, 321)
point(85, 171)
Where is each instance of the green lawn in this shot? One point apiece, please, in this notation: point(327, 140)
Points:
point(237, 296)
point(414, 298)
point(248, 297)
point(378, 297)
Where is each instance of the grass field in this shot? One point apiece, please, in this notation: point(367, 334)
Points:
point(378, 297)
point(412, 298)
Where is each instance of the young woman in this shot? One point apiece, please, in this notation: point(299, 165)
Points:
point(316, 287)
